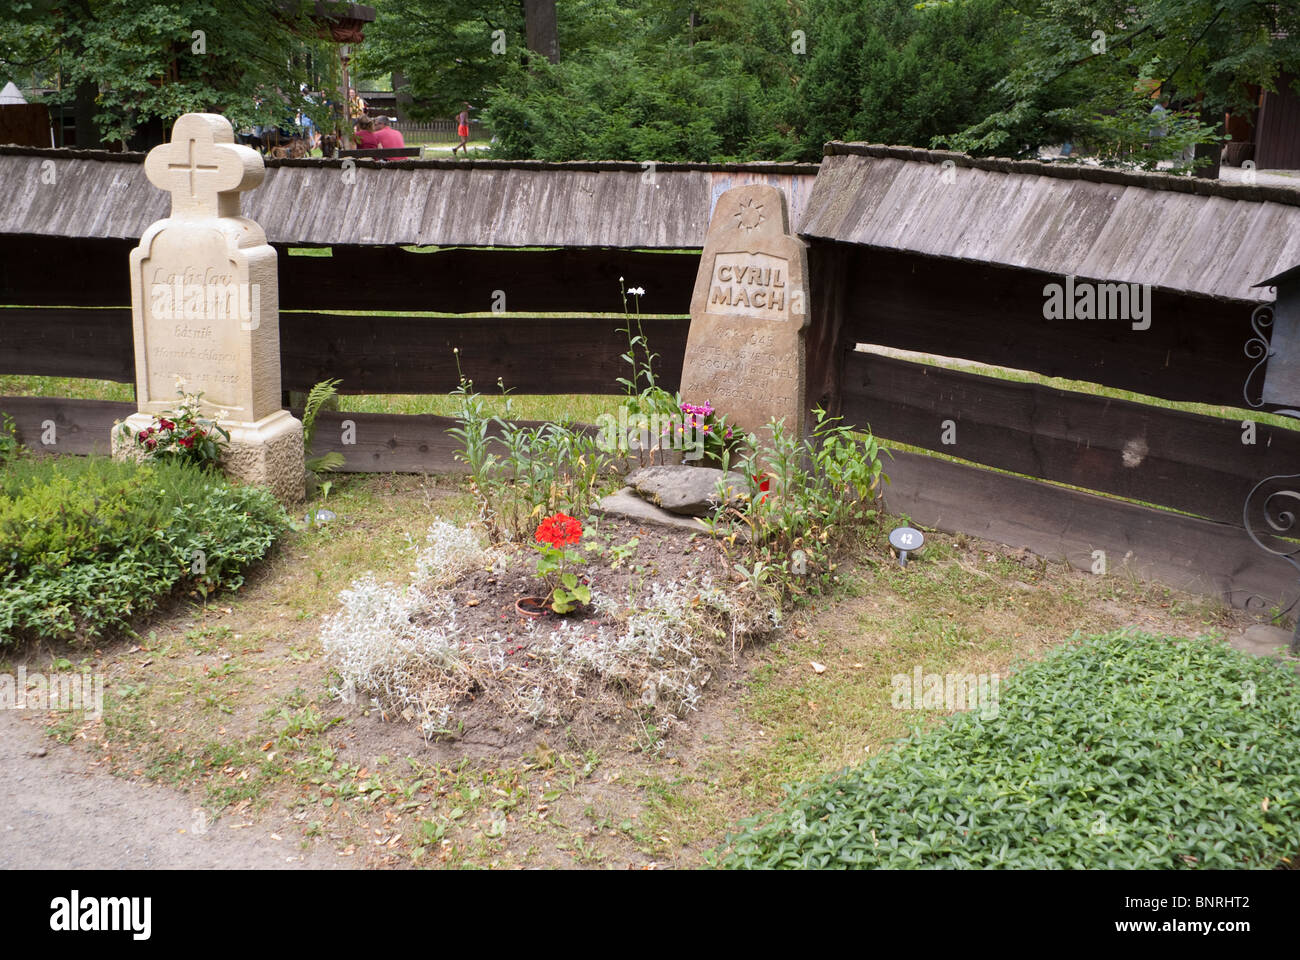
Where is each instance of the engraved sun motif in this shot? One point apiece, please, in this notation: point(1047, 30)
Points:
point(749, 215)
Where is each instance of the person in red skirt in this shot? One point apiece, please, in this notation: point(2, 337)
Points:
point(462, 130)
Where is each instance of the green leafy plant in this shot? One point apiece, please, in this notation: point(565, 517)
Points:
point(621, 553)
point(721, 442)
point(182, 433)
point(91, 543)
point(650, 408)
point(9, 444)
point(319, 395)
point(804, 497)
point(1120, 751)
point(540, 468)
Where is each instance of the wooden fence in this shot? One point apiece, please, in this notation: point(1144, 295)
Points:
point(1102, 448)
point(1059, 459)
point(439, 131)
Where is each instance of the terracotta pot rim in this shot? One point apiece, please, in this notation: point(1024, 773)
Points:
point(537, 608)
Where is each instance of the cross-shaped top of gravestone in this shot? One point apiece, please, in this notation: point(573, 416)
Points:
point(203, 167)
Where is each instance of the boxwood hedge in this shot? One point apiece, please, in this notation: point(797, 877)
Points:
point(1117, 751)
point(87, 544)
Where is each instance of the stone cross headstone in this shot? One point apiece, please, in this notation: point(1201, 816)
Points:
point(749, 314)
point(205, 306)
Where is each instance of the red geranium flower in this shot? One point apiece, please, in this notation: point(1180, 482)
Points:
point(185, 442)
point(763, 485)
point(166, 424)
point(559, 530)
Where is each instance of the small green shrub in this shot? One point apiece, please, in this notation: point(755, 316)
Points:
point(90, 543)
point(317, 399)
point(805, 496)
point(519, 473)
point(1120, 751)
point(10, 447)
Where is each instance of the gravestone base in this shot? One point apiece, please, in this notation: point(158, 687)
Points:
point(123, 443)
point(267, 453)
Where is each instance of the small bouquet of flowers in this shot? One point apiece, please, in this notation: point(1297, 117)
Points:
point(183, 433)
point(554, 536)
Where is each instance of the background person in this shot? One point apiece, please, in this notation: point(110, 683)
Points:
point(387, 137)
point(462, 130)
point(364, 136)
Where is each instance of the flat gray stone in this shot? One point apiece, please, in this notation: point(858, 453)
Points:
point(629, 506)
point(1263, 640)
point(690, 491)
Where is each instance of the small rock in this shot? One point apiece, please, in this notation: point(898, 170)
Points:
point(689, 491)
point(38, 752)
point(1263, 640)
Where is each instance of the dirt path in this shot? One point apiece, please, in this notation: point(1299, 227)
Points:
point(58, 812)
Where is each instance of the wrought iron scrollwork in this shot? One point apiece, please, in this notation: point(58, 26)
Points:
point(1274, 501)
point(1258, 349)
point(1279, 513)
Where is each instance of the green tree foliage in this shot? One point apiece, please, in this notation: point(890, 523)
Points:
point(145, 60)
point(1090, 71)
point(888, 72)
point(444, 48)
point(714, 80)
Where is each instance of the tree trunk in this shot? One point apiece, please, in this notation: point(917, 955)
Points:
point(402, 93)
point(84, 113)
point(1212, 150)
point(541, 32)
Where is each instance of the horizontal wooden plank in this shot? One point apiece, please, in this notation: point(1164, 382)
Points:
point(1182, 460)
point(449, 280)
point(377, 153)
point(371, 354)
point(64, 271)
point(1193, 350)
point(63, 426)
point(387, 443)
point(1183, 233)
point(67, 342)
point(380, 442)
point(460, 202)
point(1183, 552)
point(415, 354)
point(466, 280)
point(392, 443)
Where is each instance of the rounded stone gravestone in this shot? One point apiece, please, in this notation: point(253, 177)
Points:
point(205, 307)
point(749, 313)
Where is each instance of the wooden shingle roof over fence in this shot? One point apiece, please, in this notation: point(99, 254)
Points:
point(443, 202)
point(1175, 233)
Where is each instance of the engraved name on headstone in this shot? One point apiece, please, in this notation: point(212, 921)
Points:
point(749, 312)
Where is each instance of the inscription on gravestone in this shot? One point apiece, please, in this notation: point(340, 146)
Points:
point(749, 312)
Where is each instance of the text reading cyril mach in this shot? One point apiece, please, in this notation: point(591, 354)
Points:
point(749, 311)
